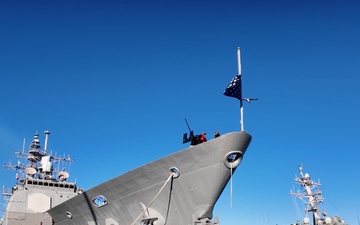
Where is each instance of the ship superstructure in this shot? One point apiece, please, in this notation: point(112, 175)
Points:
point(40, 186)
point(311, 195)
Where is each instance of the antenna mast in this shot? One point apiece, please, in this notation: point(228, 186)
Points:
point(241, 103)
point(46, 141)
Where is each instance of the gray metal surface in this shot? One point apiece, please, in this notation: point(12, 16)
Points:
point(29, 203)
point(204, 172)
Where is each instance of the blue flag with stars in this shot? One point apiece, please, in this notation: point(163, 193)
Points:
point(234, 88)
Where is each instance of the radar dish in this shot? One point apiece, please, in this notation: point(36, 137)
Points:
point(63, 175)
point(30, 170)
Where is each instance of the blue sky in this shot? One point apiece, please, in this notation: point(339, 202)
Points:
point(114, 80)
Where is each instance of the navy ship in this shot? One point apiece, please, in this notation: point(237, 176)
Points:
point(178, 189)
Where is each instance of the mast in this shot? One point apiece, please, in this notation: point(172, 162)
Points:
point(241, 103)
point(313, 198)
point(234, 89)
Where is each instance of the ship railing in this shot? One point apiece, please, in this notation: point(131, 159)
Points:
point(7, 193)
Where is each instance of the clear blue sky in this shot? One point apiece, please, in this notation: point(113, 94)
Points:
point(114, 80)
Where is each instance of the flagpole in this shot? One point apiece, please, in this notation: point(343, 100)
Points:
point(241, 103)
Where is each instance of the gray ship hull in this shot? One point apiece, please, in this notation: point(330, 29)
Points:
point(149, 194)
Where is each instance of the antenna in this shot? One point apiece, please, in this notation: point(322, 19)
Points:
point(23, 148)
point(46, 141)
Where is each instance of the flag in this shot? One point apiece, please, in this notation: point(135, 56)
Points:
point(234, 88)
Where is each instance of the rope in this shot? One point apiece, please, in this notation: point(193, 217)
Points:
point(168, 208)
point(231, 185)
point(171, 175)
